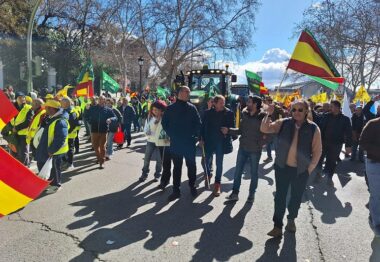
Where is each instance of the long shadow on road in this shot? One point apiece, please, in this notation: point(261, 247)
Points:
point(153, 226)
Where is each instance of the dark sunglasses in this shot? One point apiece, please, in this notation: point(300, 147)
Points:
point(299, 110)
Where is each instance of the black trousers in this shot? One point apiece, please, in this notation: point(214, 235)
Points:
point(331, 152)
point(22, 154)
point(70, 154)
point(166, 164)
point(177, 170)
point(286, 177)
point(76, 142)
point(55, 174)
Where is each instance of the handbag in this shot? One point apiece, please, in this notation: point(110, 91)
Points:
point(118, 138)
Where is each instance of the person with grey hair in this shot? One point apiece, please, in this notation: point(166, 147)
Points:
point(100, 118)
point(298, 152)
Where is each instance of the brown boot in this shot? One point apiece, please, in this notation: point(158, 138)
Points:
point(275, 232)
point(216, 191)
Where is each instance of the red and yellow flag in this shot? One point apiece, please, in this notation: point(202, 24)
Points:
point(85, 81)
point(309, 58)
point(7, 110)
point(18, 185)
point(263, 90)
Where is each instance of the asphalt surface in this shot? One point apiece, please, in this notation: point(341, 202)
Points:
point(106, 215)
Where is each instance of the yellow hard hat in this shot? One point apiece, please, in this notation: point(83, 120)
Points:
point(53, 103)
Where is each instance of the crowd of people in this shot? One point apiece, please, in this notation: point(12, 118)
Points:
point(306, 137)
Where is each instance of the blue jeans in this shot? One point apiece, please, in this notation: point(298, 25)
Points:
point(149, 150)
point(242, 158)
point(373, 174)
point(219, 161)
point(271, 146)
point(110, 143)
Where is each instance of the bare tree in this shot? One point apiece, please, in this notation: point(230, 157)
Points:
point(349, 31)
point(173, 30)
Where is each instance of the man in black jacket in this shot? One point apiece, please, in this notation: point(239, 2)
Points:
point(100, 117)
point(336, 131)
point(214, 140)
point(181, 122)
point(357, 127)
point(129, 116)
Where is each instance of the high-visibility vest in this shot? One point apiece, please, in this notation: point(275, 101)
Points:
point(32, 130)
point(65, 148)
point(21, 118)
point(73, 134)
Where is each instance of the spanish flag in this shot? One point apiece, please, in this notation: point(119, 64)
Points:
point(18, 185)
point(263, 90)
point(7, 110)
point(85, 81)
point(309, 58)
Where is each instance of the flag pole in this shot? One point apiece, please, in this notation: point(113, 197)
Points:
point(282, 80)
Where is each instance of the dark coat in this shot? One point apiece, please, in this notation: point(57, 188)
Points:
point(212, 122)
point(115, 123)
point(182, 123)
point(98, 116)
point(128, 114)
point(336, 129)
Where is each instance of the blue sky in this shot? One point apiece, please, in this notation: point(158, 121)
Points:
point(275, 22)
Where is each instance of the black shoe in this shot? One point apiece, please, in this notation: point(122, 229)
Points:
point(162, 186)
point(194, 191)
point(101, 166)
point(128, 144)
point(174, 196)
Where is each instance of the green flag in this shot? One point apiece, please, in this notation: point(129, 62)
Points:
point(333, 85)
point(253, 81)
point(109, 84)
point(163, 92)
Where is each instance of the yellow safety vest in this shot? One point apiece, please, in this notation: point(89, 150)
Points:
point(73, 134)
point(34, 126)
point(51, 129)
point(20, 118)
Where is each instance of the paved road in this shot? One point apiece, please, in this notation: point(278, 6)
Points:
point(105, 215)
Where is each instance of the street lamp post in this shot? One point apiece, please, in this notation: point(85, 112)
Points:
point(141, 63)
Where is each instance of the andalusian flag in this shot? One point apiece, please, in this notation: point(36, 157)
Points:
point(309, 58)
point(7, 110)
point(109, 84)
point(254, 81)
point(85, 81)
point(162, 92)
point(18, 185)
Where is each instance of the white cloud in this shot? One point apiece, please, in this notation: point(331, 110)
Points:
point(316, 5)
point(272, 65)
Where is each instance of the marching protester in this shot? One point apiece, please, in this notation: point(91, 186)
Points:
point(54, 142)
point(67, 107)
point(250, 146)
point(100, 117)
point(129, 116)
point(336, 130)
point(181, 122)
point(370, 142)
point(138, 113)
point(298, 152)
point(157, 139)
point(39, 119)
point(213, 140)
point(20, 126)
point(358, 122)
point(367, 109)
point(113, 126)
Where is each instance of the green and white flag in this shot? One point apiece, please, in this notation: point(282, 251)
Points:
point(109, 84)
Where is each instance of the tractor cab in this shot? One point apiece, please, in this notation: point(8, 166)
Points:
point(206, 83)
